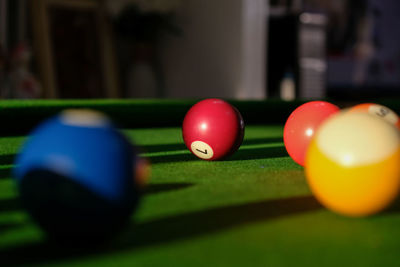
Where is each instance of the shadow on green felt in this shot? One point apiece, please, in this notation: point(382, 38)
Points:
point(11, 204)
point(168, 229)
point(394, 207)
point(241, 154)
point(7, 159)
point(14, 204)
point(260, 141)
point(181, 146)
point(8, 226)
point(5, 173)
point(259, 153)
point(165, 187)
point(189, 225)
point(171, 158)
point(162, 148)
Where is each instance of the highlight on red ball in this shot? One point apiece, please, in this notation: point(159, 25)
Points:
point(301, 126)
point(213, 129)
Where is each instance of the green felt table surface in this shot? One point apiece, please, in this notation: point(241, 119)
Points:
point(253, 209)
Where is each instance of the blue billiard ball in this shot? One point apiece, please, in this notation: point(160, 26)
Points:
point(75, 176)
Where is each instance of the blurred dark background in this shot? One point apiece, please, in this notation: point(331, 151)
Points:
point(237, 49)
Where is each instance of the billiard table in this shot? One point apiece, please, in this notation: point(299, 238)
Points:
point(252, 209)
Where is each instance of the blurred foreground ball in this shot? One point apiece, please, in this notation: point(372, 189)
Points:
point(352, 164)
point(74, 175)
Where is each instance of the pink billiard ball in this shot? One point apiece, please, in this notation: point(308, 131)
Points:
point(301, 126)
point(213, 129)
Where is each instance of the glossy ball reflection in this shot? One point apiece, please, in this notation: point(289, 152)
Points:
point(301, 125)
point(213, 129)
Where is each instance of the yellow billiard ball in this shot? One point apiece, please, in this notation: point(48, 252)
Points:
point(353, 164)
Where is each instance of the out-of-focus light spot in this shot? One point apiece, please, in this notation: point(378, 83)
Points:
point(309, 132)
point(347, 160)
point(203, 126)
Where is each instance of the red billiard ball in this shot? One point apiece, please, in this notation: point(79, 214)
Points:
point(301, 126)
point(213, 129)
